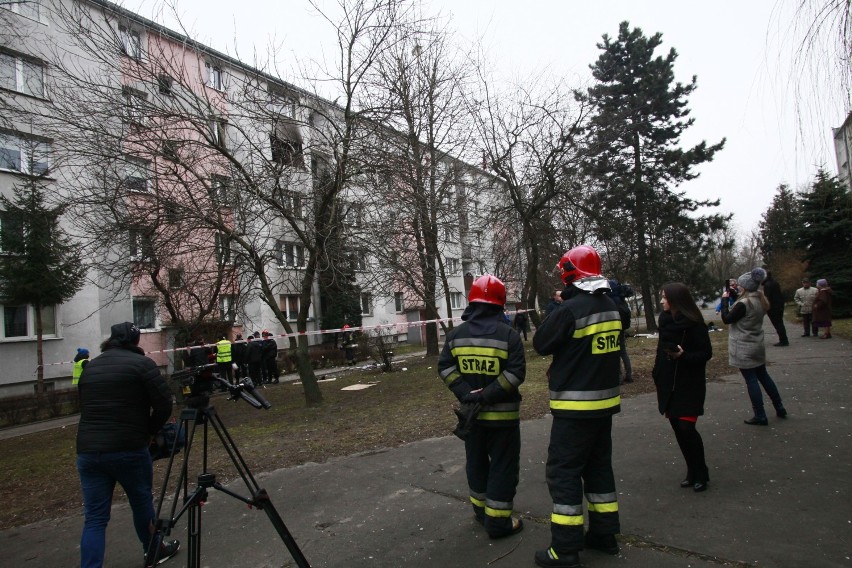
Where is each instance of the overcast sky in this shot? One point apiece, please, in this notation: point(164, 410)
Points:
point(777, 124)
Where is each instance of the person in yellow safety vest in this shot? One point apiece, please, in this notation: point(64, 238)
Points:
point(224, 360)
point(80, 361)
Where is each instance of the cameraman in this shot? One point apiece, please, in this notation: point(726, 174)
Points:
point(124, 401)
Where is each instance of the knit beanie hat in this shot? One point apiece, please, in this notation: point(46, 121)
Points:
point(822, 283)
point(82, 351)
point(751, 280)
point(125, 333)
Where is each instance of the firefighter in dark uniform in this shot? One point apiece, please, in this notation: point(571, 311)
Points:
point(483, 363)
point(583, 334)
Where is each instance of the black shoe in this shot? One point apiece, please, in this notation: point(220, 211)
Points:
point(806, 335)
point(700, 486)
point(549, 558)
point(603, 542)
point(687, 483)
point(755, 421)
point(782, 344)
point(167, 550)
point(517, 526)
point(782, 413)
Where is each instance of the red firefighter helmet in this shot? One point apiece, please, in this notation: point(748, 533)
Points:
point(579, 262)
point(488, 289)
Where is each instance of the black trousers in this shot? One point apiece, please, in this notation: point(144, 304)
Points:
point(807, 320)
point(579, 461)
point(692, 447)
point(493, 470)
point(777, 319)
point(226, 371)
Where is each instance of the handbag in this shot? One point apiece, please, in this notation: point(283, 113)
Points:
point(169, 441)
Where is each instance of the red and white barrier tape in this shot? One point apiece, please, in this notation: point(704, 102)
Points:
point(404, 324)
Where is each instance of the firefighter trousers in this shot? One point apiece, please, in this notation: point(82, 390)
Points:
point(579, 461)
point(493, 469)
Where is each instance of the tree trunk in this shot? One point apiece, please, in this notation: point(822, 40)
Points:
point(313, 395)
point(39, 355)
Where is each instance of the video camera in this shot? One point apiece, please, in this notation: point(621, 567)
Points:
point(198, 383)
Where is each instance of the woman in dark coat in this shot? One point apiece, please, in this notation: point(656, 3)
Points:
point(679, 375)
point(822, 308)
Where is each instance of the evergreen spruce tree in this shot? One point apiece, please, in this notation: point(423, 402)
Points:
point(778, 227)
point(825, 235)
point(39, 264)
point(638, 115)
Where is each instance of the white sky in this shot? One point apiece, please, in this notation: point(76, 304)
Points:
point(740, 51)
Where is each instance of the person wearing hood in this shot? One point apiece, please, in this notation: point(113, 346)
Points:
point(822, 308)
point(746, 350)
point(124, 401)
point(584, 337)
point(483, 364)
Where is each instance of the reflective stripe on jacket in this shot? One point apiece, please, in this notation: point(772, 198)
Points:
point(494, 363)
point(584, 336)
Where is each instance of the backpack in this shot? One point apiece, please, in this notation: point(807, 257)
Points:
point(171, 436)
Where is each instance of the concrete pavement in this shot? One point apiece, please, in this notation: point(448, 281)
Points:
point(779, 496)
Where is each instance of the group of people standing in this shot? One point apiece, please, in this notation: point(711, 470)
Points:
point(483, 364)
point(815, 308)
point(255, 357)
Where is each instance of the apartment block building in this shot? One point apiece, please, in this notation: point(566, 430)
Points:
point(210, 197)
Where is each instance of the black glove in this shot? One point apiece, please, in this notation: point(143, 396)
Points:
point(466, 419)
point(473, 398)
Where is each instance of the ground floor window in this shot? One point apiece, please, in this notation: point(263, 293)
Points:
point(19, 321)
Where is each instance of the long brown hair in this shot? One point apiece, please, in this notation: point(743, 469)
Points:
point(681, 301)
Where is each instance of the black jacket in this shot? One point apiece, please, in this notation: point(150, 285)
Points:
point(485, 353)
point(584, 336)
point(772, 291)
point(254, 351)
point(124, 400)
point(681, 383)
point(238, 352)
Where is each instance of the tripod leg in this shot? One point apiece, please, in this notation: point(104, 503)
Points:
point(262, 502)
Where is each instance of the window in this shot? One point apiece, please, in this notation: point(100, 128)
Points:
point(164, 84)
point(214, 76)
point(11, 231)
point(223, 248)
point(134, 107)
point(131, 43)
point(170, 150)
point(456, 300)
point(217, 132)
point(25, 155)
point(289, 304)
point(358, 261)
point(21, 74)
point(281, 103)
point(28, 8)
point(293, 204)
point(144, 313)
point(219, 188)
point(285, 152)
point(453, 266)
point(136, 176)
point(227, 307)
point(171, 212)
point(398, 304)
point(19, 321)
point(354, 215)
point(141, 245)
point(290, 255)
point(366, 304)
point(176, 280)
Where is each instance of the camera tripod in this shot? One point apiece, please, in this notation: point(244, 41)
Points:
point(200, 413)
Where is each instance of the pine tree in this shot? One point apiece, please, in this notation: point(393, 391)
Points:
point(778, 226)
point(39, 264)
point(826, 237)
point(638, 116)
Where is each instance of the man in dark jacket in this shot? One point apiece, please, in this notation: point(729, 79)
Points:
point(254, 358)
point(269, 369)
point(238, 352)
point(124, 401)
point(584, 336)
point(483, 363)
point(772, 291)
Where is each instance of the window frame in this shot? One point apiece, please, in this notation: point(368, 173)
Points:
point(217, 129)
point(20, 230)
point(452, 265)
point(138, 300)
point(215, 77)
point(296, 254)
point(134, 106)
point(132, 165)
point(290, 304)
point(176, 278)
point(130, 42)
point(399, 302)
point(366, 304)
point(20, 63)
point(227, 307)
point(15, 7)
point(30, 327)
point(457, 300)
point(27, 149)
